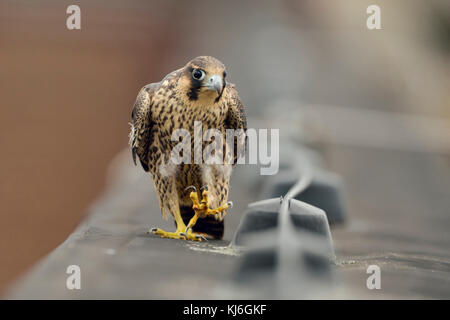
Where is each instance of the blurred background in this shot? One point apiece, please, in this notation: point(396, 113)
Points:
point(376, 102)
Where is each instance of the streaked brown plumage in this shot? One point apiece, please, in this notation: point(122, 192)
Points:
point(176, 103)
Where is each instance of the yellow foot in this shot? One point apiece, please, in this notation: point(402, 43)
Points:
point(178, 235)
point(202, 209)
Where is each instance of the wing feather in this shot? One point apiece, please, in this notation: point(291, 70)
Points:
point(141, 125)
point(236, 119)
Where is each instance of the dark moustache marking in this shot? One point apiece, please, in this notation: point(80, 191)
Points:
point(195, 86)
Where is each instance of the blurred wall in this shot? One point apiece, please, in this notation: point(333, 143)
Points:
point(66, 99)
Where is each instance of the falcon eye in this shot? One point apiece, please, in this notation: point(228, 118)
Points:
point(198, 74)
point(224, 74)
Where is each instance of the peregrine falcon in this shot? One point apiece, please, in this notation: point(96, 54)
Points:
point(194, 194)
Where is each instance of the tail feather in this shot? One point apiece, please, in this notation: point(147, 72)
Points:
point(209, 226)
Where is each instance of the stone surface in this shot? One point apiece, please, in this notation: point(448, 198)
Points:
point(118, 259)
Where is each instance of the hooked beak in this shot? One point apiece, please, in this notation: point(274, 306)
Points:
point(214, 83)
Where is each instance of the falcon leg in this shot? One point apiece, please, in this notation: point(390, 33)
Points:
point(205, 204)
point(180, 232)
point(202, 208)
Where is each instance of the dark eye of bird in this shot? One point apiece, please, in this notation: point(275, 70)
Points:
point(224, 74)
point(198, 74)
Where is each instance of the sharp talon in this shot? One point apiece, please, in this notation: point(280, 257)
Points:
point(183, 235)
point(153, 229)
point(230, 204)
point(186, 231)
point(198, 236)
point(191, 187)
point(205, 187)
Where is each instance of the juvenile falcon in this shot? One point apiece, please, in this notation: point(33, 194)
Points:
point(196, 94)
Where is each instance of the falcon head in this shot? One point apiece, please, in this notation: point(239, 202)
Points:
point(204, 79)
